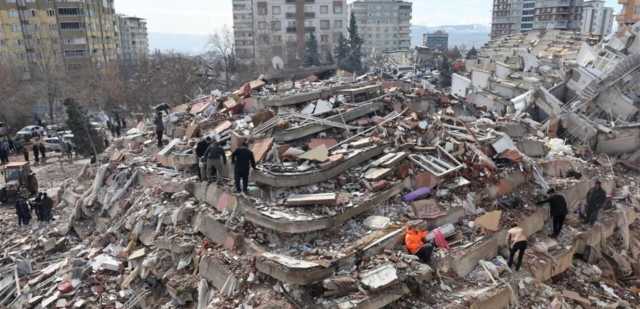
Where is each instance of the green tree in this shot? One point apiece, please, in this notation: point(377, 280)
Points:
point(86, 139)
point(445, 73)
point(355, 46)
point(311, 54)
point(341, 51)
point(473, 53)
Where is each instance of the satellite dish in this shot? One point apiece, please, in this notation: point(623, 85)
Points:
point(277, 63)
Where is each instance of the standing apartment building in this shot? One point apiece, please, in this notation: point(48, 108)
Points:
point(596, 18)
point(515, 16)
point(37, 35)
point(385, 25)
point(438, 40)
point(134, 39)
point(272, 33)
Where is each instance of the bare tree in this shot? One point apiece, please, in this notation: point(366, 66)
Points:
point(48, 70)
point(221, 55)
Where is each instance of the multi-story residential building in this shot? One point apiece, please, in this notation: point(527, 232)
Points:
point(596, 18)
point(134, 40)
point(558, 14)
point(272, 33)
point(42, 35)
point(384, 25)
point(630, 13)
point(515, 16)
point(436, 40)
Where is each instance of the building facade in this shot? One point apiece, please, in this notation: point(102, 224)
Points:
point(38, 35)
point(384, 25)
point(596, 18)
point(436, 40)
point(272, 33)
point(630, 13)
point(134, 40)
point(515, 16)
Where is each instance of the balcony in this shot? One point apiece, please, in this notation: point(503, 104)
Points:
point(305, 1)
point(306, 29)
point(307, 15)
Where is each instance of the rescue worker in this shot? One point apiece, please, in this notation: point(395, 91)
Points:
point(47, 207)
point(517, 240)
point(4, 152)
point(43, 152)
point(243, 161)
point(36, 207)
point(22, 210)
point(159, 128)
point(25, 152)
point(216, 160)
point(596, 197)
point(558, 210)
point(36, 152)
point(201, 148)
point(414, 241)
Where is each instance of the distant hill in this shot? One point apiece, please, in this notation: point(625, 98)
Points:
point(193, 44)
point(469, 35)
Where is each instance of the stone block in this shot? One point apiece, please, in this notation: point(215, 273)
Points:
point(218, 274)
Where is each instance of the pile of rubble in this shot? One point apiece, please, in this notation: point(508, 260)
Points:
point(343, 167)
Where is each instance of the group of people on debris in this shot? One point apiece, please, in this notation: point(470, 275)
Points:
point(41, 205)
point(417, 242)
point(212, 160)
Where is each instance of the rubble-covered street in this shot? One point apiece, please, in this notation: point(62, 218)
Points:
point(344, 163)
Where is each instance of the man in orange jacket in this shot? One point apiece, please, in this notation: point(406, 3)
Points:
point(414, 240)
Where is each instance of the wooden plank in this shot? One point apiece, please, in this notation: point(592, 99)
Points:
point(312, 199)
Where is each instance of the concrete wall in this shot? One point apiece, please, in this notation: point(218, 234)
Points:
point(503, 70)
point(622, 140)
point(460, 85)
point(480, 79)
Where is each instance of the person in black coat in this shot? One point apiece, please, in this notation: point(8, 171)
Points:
point(596, 197)
point(558, 210)
point(46, 207)
point(159, 128)
point(201, 148)
point(23, 212)
point(243, 161)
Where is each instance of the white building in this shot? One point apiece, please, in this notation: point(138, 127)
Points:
point(134, 40)
point(384, 25)
point(272, 33)
point(596, 18)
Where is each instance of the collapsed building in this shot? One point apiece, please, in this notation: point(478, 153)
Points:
point(343, 167)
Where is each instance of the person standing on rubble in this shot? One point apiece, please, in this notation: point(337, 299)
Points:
point(414, 241)
point(36, 152)
point(558, 210)
point(596, 197)
point(517, 240)
point(46, 207)
point(22, 210)
point(201, 163)
point(243, 160)
point(216, 161)
point(159, 128)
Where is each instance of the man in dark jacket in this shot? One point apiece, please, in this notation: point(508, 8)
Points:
point(216, 160)
point(243, 161)
point(22, 210)
point(159, 128)
point(558, 210)
point(596, 197)
point(201, 148)
point(47, 207)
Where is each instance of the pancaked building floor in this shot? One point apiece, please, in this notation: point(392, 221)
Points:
point(344, 164)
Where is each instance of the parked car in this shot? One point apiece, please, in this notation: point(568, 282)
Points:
point(28, 131)
point(53, 144)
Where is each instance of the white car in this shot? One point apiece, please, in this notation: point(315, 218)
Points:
point(53, 144)
point(29, 131)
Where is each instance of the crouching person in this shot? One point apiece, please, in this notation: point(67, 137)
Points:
point(416, 242)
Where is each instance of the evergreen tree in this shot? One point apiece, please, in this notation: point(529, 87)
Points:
point(473, 53)
point(355, 46)
point(454, 54)
point(341, 51)
point(85, 137)
point(311, 54)
point(445, 73)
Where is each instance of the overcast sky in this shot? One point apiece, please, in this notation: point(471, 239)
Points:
point(205, 16)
